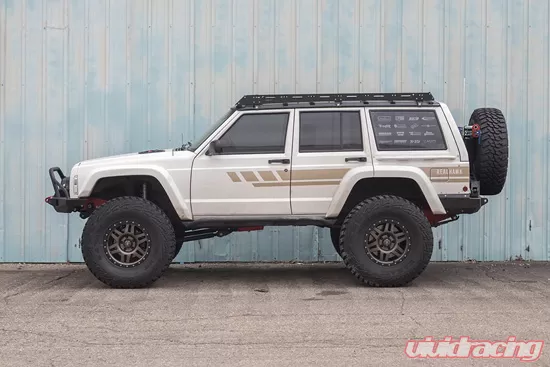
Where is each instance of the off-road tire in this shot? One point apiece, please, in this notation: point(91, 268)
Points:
point(490, 164)
point(134, 210)
point(392, 209)
point(335, 237)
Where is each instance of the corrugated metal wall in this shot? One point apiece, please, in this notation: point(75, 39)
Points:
point(88, 78)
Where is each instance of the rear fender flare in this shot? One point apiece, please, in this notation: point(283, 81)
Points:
point(413, 173)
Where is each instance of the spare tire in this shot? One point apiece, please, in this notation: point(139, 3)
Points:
point(489, 165)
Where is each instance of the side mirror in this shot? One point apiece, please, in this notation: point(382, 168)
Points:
point(214, 148)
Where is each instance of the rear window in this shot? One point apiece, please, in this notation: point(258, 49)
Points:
point(407, 130)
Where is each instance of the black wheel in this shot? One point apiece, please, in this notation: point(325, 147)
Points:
point(490, 163)
point(128, 242)
point(386, 241)
point(335, 237)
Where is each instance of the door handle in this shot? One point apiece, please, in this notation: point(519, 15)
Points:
point(356, 159)
point(279, 161)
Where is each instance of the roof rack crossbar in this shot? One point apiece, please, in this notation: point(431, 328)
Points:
point(261, 99)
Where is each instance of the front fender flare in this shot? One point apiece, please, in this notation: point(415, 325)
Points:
point(164, 178)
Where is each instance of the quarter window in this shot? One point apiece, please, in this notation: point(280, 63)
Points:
point(407, 130)
point(330, 131)
point(256, 133)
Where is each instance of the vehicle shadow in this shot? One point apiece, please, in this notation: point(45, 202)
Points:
point(335, 274)
point(262, 276)
point(279, 274)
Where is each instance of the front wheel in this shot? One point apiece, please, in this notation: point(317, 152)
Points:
point(128, 242)
point(386, 241)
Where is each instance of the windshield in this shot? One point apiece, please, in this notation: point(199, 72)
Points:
point(210, 130)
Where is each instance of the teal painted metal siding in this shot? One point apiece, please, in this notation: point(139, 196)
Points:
point(88, 78)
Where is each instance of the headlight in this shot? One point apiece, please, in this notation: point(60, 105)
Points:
point(75, 184)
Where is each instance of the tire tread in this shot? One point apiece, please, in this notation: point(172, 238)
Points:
point(153, 212)
point(410, 209)
point(492, 164)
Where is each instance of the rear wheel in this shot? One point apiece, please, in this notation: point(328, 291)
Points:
point(386, 241)
point(128, 242)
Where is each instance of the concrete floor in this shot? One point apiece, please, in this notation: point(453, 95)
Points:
point(263, 315)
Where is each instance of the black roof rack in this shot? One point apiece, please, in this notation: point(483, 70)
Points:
point(312, 99)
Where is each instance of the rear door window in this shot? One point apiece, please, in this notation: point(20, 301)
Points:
point(330, 131)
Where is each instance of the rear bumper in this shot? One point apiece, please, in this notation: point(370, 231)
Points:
point(61, 200)
point(462, 204)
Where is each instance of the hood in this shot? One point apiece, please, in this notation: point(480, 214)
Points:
point(159, 163)
point(133, 158)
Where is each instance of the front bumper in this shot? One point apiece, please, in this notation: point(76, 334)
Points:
point(462, 204)
point(61, 200)
point(66, 205)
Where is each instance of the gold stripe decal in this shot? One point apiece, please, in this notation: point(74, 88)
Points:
point(316, 183)
point(271, 184)
point(318, 177)
point(448, 174)
point(308, 177)
point(249, 176)
point(267, 176)
point(459, 172)
point(298, 183)
point(319, 174)
point(233, 176)
point(285, 175)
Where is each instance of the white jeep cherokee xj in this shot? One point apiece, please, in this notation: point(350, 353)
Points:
point(379, 170)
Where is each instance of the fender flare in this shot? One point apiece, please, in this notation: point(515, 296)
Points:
point(163, 177)
point(409, 172)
